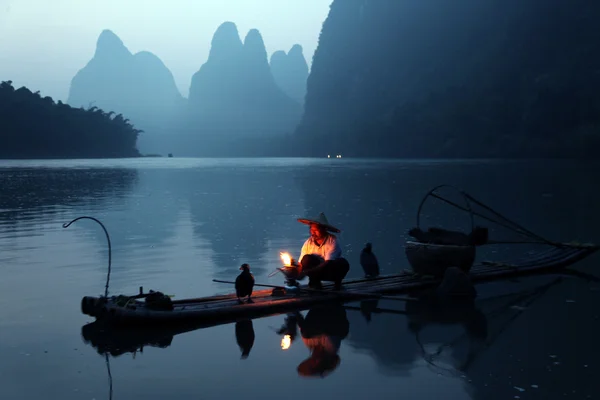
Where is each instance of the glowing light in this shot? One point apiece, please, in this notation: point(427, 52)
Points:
point(286, 342)
point(328, 156)
point(286, 258)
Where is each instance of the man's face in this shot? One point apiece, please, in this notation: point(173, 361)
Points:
point(316, 232)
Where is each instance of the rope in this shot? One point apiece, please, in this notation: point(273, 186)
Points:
point(109, 247)
point(515, 227)
point(508, 220)
point(474, 212)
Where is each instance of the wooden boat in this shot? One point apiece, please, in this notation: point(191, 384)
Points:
point(136, 310)
point(433, 258)
point(432, 251)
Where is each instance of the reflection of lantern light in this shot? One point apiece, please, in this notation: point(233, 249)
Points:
point(286, 342)
point(286, 258)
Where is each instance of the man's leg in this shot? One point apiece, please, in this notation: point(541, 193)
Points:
point(339, 270)
point(309, 262)
point(332, 271)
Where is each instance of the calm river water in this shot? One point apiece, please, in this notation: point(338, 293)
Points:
point(177, 224)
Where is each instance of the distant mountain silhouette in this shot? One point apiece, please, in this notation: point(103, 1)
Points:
point(464, 78)
point(290, 72)
point(137, 85)
point(36, 127)
point(234, 92)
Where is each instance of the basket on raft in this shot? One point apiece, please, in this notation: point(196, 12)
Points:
point(435, 250)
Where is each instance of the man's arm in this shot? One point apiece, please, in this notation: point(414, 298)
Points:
point(302, 252)
point(333, 249)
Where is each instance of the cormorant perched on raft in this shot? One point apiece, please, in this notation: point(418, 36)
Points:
point(368, 261)
point(244, 283)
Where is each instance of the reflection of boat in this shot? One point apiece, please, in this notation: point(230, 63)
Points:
point(476, 322)
point(116, 341)
point(450, 336)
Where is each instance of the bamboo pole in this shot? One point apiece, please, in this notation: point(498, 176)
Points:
point(349, 293)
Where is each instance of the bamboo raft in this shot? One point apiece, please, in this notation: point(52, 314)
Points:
point(156, 308)
point(226, 308)
point(116, 341)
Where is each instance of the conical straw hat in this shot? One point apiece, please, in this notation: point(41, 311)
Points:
point(320, 220)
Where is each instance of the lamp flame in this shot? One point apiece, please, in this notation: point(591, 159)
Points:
point(286, 258)
point(286, 342)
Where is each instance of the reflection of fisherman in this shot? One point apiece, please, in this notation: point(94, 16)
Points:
point(322, 332)
point(321, 255)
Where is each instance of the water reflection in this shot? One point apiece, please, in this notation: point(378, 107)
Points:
point(396, 338)
point(36, 195)
point(429, 322)
point(116, 342)
point(239, 213)
point(244, 336)
point(467, 315)
point(322, 331)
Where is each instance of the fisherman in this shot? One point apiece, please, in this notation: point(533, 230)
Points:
point(321, 255)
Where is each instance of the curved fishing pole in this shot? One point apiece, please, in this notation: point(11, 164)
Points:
point(66, 225)
point(432, 194)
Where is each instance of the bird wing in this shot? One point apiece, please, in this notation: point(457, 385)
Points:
point(363, 258)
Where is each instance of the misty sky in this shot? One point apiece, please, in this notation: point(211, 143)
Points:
point(43, 43)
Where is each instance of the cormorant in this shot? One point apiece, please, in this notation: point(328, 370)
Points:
point(368, 261)
point(244, 283)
